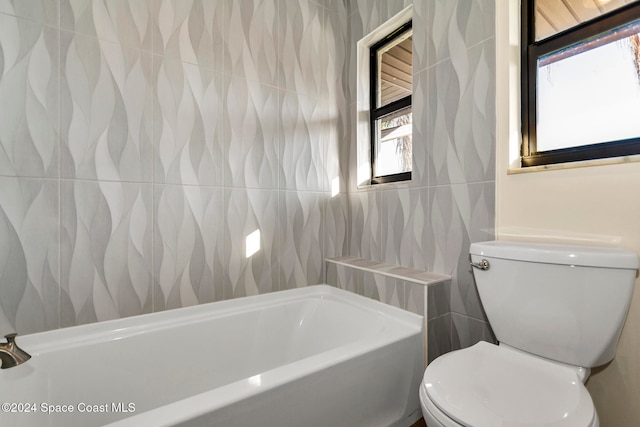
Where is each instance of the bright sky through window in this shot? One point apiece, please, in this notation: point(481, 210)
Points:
point(589, 98)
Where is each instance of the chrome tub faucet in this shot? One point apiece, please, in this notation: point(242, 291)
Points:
point(10, 354)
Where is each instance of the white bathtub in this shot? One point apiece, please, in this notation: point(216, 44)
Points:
point(314, 356)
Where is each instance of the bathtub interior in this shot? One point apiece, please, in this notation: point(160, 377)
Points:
point(159, 359)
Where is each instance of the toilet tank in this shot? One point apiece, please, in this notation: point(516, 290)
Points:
point(563, 302)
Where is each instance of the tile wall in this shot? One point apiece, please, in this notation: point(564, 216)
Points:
point(141, 141)
point(429, 222)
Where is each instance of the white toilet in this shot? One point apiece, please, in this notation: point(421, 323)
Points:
point(557, 311)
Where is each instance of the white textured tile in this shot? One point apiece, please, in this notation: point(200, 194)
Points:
point(190, 30)
point(461, 116)
point(364, 228)
point(188, 245)
point(301, 243)
point(107, 110)
point(40, 11)
point(251, 127)
point(247, 211)
point(106, 249)
point(303, 64)
point(420, 172)
point(251, 40)
point(188, 132)
point(336, 225)
point(128, 23)
point(303, 143)
point(29, 99)
point(460, 214)
point(404, 214)
point(29, 255)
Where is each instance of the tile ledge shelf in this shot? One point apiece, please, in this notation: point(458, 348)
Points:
point(404, 273)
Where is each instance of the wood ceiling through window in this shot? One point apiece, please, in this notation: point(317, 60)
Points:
point(554, 16)
point(396, 72)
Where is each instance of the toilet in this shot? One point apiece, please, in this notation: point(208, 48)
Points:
point(557, 311)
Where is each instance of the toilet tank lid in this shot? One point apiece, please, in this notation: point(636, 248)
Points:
point(553, 253)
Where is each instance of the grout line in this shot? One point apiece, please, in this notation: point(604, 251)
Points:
point(59, 142)
point(154, 214)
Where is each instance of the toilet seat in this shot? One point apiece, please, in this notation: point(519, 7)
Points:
point(488, 385)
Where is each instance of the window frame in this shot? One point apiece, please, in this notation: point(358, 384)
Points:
point(530, 52)
point(377, 112)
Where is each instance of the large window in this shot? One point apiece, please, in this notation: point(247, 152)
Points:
point(580, 80)
point(391, 114)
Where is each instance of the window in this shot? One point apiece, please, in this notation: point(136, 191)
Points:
point(580, 82)
point(390, 110)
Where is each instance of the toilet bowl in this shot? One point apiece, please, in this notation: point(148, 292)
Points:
point(557, 311)
point(490, 385)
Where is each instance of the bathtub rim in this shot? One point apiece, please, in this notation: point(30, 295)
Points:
point(86, 334)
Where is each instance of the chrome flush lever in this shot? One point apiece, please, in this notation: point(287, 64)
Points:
point(482, 265)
